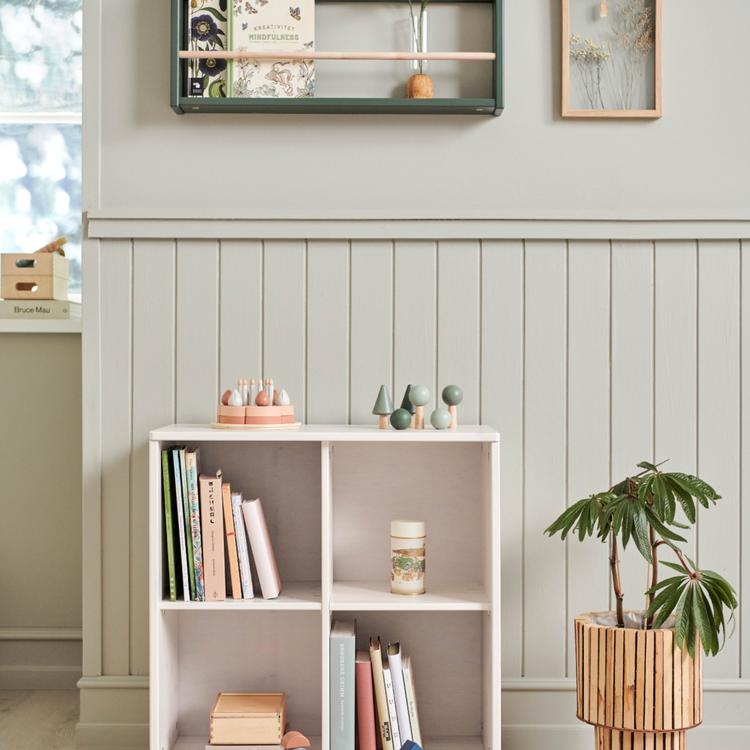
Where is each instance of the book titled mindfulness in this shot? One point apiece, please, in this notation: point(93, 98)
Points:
point(272, 26)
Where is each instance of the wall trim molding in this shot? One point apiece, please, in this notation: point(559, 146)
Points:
point(103, 225)
point(114, 682)
point(523, 684)
point(39, 677)
point(41, 634)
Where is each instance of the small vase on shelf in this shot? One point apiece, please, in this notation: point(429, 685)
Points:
point(419, 85)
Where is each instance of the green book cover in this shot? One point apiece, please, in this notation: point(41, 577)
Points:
point(188, 530)
point(342, 684)
point(168, 527)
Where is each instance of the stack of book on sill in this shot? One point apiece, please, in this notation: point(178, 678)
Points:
point(41, 309)
point(376, 686)
point(210, 531)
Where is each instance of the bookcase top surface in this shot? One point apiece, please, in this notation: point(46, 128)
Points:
point(330, 432)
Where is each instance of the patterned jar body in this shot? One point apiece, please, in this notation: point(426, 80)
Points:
point(407, 557)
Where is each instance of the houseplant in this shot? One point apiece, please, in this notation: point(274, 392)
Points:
point(640, 673)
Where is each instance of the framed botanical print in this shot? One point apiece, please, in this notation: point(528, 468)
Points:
point(611, 66)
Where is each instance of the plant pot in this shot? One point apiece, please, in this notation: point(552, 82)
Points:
point(419, 86)
point(636, 687)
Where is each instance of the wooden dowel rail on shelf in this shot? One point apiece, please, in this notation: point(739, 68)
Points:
point(216, 54)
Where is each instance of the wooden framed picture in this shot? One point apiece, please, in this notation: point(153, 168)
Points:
point(611, 62)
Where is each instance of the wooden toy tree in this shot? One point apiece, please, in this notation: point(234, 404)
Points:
point(419, 396)
point(383, 407)
point(407, 404)
point(453, 396)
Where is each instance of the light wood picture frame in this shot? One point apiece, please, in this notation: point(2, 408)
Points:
point(615, 82)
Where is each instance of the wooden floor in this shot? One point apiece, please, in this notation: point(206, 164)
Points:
point(38, 719)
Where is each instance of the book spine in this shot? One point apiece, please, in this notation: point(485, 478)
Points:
point(234, 567)
point(186, 517)
point(411, 701)
point(181, 522)
point(402, 710)
point(365, 705)
point(213, 539)
point(342, 687)
point(242, 552)
point(260, 543)
point(195, 524)
point(388, 680)
point(381, 701)
point(168, 525)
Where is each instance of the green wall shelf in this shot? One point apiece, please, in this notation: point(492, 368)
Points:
point(182, 104)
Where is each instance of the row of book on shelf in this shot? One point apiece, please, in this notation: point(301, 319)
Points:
point(376, 687)
point(207, 529)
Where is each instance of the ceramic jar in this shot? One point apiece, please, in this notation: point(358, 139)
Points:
point(407, 557)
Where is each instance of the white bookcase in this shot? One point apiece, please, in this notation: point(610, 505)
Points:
point(329, 493)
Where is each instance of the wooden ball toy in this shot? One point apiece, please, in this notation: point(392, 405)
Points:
point(262, 399)
point(440, 419)
point(401, 419)
point(419, 395)
point(453, 396)
point(383, 407)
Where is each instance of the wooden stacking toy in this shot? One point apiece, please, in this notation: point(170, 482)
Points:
point(453, 396)
point(383, 407)
point(251, 407)
point(39, 275)
point(407, 404)
point(419, 396)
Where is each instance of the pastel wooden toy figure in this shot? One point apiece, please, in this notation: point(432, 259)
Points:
point(401, 419)
point(453, 396)
point(383, 407)
point(440, 419)
point(407, 404)
point(419, 396)
point(294, 741)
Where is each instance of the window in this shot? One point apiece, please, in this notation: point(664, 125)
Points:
point(40, 127)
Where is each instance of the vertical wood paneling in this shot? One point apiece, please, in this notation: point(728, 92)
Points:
point(327, 332)
point(458, 325)
point(675, 364)
point(92, 460)
point(414, 321)
point(197, 330)
point(718, 421)
point(371, 327)
point(153, 406)
point(115, 313)
point(240, 311)
point(744, 589)
point(544, 451)
point(284, 321)
point(632, 385)
point(502, 408)
point(588, 420)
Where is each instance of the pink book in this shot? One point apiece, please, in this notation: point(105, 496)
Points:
point(260, 542)
point(365, 702)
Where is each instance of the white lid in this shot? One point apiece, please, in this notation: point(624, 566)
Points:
point(407, 529)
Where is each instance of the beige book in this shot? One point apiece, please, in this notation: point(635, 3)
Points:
point(234, 566)
point(212, 528)
point(381, 701)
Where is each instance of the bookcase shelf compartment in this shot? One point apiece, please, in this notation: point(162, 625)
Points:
point(333, 490)
point(485, 105)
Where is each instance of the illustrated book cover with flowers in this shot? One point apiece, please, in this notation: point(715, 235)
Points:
point(207, 30)
point(272, 26)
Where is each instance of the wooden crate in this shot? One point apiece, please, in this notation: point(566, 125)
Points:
point(248, 719)
point(34, 276)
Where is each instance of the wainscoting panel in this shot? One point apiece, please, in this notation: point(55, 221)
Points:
point(588, 355)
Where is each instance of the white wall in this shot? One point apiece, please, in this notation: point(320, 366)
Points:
point(581, 321)
point(40, 532)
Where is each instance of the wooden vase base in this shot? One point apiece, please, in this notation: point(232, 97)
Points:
point(419, 86)
point(617, 739)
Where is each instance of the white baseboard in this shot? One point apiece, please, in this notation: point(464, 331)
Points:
point(40, 658)
point(100, 736)
point(39, 677)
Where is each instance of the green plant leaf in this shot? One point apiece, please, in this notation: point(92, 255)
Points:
point(668, 605)
point(682, 615)
point(686, 500)
point(701, 488)
point(671, 594)
point(704, 622)
point(680, 525)
point(640, 535)
point(659, 497)
point(674, 566)
point(666, 582)
point(647, 465)
point(661, 529)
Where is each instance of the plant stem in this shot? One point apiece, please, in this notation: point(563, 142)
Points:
point(654, 572)
point(614, 564)
point(693, 574)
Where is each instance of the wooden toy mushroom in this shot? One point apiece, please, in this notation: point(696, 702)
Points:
point(440, 419)
point(407, 404)
point(383, 407)
point(453, 396)
point(419, 395)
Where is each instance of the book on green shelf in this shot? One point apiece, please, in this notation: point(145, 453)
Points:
point(192, 463)
point(169, 526)
point(186, 520)
point(180, 520)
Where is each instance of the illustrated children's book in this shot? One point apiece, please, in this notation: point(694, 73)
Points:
point(207, 31)
point(272, 26)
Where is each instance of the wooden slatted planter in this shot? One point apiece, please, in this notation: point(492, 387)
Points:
point(636, 687)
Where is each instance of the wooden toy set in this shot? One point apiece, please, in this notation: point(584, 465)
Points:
point(255, 406)
point(39, 275)
point(411, 413)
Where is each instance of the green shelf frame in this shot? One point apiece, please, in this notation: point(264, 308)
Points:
point(340, 105)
